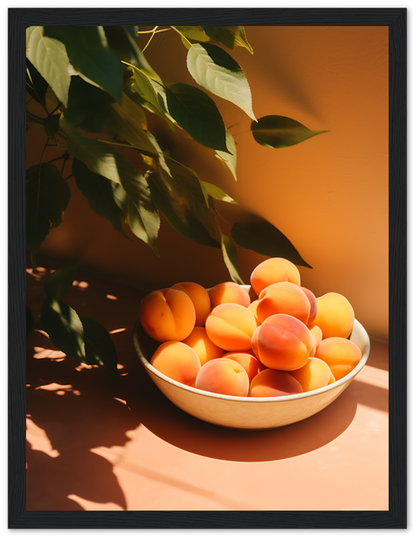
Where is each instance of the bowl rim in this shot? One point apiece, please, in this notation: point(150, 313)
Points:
point(257, 400)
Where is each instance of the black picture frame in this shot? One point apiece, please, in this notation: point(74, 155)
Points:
point(396, 516)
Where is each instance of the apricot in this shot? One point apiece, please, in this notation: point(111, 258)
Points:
point(317, 338)
point(203, 346)
point(313, 304)
point(223, 376)
point(283, 298)
point(282, 342)
point(247, 360)
point(167, 314)
point(253, 308)
point(314, 375)
point(269, 383)
point(199, 296)
point(335, 315)
point(228, 292)
point(231, 326)
point(177, 361)
point(271, 271)
point(340, 354)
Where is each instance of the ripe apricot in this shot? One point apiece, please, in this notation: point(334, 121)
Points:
point(271, 271)
point(314, 375)
point(231, 326)
point(167, 314)
point(270, 382)
point(177, 361)
point(317, 332)
point(203, 346)
point(228, 292)
point(283, 298)
point(341, 355)
point(248, 361)
point(335, 315)
point(223, 376)
point(282, 342)
point(199, 296)
point(253, 307)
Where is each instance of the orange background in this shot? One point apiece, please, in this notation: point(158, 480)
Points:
point(328, 195)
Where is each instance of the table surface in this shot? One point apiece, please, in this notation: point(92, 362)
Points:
point(94, 443)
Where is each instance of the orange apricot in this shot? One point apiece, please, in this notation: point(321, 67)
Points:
point(203, 346)
point(167, 314)
point(283, 298)
point(317, 332)
point(340, 354)
point(270, 383)
point(231, 326)
point(177, 361)
point(228, 292)
point(253, 307)
point(223, 376)
point(247, 360)
point(199, 296)
point(335, 315)
point(313, 375)
point(271, 271)
point(282, 342)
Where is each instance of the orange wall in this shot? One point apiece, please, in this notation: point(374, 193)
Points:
point(328, 195)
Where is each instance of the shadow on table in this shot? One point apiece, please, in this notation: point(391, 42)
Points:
point(175, 426)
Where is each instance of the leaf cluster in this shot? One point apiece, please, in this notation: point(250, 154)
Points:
point(97, 89)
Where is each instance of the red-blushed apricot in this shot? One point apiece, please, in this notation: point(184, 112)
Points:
point(340, 354)
point(247, 360)
point(314, 375)
point(199, 296)
point(273, 270)
point(335, 315)
point(177, 361)
point(282, 342)
point(231, 326)
point(228, 292)
point(270, 383)
point(283, 298)
point(203, 346)
point(314, 305)
point(223, 376)
point(167, 314)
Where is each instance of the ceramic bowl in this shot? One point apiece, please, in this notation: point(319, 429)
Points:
point(247, 413)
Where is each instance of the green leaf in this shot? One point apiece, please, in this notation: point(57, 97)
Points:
point(50, 58)
point(105, 197)
point(229, 36)
point(264, 238)
point(197, 114)
point(217, 193)
point(100, 158)
point(64, 328)
point(58, 283)
point(187, 191)
point(123, 41)
point(99, 347)
point(216, 71)
point(280, 132)
point(47, 197)
point(79, 337)
point(89, 56)
point(178, 215)
point(229, 253)
point(196, 33)
point(36, 85)
point(229, 159)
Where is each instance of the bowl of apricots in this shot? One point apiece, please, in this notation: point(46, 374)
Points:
point(253, 357)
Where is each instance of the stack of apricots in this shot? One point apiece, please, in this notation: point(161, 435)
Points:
point(275, 339)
